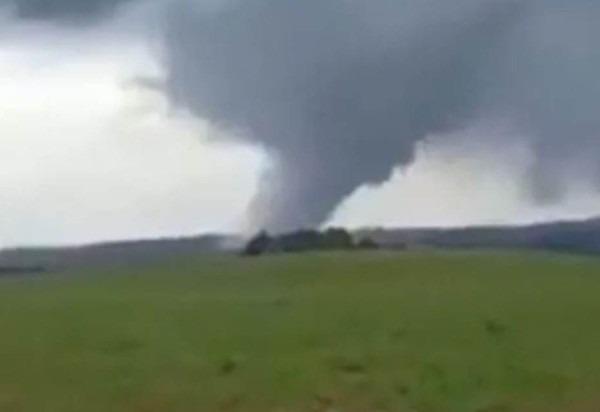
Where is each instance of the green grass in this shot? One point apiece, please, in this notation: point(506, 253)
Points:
point(429, 332)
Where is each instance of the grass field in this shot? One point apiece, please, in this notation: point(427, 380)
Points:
point(429, 332)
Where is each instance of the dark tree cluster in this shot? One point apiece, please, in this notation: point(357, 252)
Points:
point(305, 241)
point(258, 245)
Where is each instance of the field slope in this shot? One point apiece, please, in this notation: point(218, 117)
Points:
point(429, 332)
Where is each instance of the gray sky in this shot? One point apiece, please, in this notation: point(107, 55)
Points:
point(90, 152)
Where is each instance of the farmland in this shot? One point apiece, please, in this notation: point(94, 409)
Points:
point(373, 331)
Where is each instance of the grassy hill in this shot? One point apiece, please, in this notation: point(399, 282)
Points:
point(579, 236)
point(133, 252)
point(428, 332)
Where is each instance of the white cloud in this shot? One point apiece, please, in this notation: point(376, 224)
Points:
point(86, 155)
point(463, 179)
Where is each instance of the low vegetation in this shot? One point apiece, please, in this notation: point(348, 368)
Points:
point(307, 241)
point(377, 331)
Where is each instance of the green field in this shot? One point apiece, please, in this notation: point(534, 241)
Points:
point(429, 332)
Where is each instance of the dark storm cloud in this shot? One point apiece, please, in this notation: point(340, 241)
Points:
point(341, 90)
point(65, 10)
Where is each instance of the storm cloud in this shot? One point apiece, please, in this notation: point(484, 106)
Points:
point(340, 91)
point(75, 11)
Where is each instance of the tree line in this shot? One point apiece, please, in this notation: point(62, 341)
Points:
point(305, 241)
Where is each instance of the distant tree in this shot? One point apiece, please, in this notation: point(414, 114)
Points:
point(258, 245)
point(367, 243)
point(300, 241)
point(304, 241)
point(336, 239)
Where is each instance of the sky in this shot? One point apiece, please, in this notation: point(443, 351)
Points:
point(87, 153)
point(125, 120)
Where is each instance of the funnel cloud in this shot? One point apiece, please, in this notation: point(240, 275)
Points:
point(340, 92)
